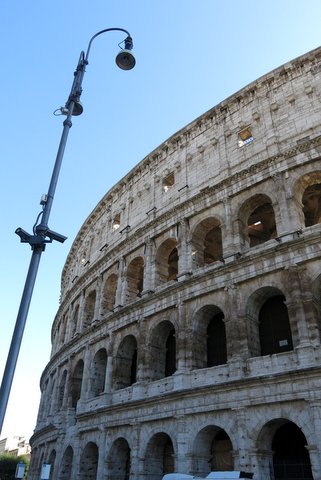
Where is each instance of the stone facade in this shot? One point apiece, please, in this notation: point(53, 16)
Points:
point(188, 334)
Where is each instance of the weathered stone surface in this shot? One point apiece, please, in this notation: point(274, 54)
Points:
point(188, 334)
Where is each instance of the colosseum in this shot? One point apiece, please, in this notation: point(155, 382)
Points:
point(188, 334)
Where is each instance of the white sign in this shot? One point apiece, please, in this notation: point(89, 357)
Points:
point(20, 470)
point(45, 471)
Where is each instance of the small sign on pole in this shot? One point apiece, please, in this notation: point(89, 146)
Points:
point(20, 470)
point(45, 471)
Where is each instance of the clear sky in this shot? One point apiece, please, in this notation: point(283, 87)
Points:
point(191, 55)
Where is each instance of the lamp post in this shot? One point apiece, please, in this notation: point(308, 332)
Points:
point(41, 233)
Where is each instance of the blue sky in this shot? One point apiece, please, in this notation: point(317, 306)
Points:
point(191, 55)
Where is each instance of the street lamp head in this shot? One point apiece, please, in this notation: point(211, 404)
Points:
point(125, 59)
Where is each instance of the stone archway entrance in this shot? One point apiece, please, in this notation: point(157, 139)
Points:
point(291, 459)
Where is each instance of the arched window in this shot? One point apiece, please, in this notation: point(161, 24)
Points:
point(89, 308)
point(261, 224)
point(212, 451)
point(209, 337)
point(61, 390)
point(312, 204)
point(65, 469)
point(167, 261)
point(207, 242)
point(291, 458)
point(89, 462)
point(162, 351)
point(126, 363)
point(75, 320)
point(98, 372)
point(216, 341)
point(274, 326)
point(119, 461)
point(51, 461)
point(76, 382)
point(109, 294)
point(170, 357)
point(160, 454)
point(135, 278)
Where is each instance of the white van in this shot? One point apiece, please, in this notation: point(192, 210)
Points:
point(212, 476)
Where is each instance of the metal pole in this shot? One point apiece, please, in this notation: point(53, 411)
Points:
point(38, 244)
point(42, 234)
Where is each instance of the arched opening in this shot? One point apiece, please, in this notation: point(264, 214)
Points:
point(312, 204)
point(75, 320)
point(76, 382)
point(89, 462)
point(274, 326)
point(212, 451)
point(160, 456)
point(98, 373)
point(261, 224)
point(170, 357)
point(51, 461)
point(66, 464)
point(135, 278)
point(167, 261)
point(61, 390)
point(209, 337)
point(109, 294)
point(126, 363)
point(89, 309)
point(290, 458)
point(163, 351)
point(119, 461)
point(216, 341)
point(207, 243)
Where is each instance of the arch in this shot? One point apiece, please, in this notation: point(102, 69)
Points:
point(89, 310)
point(51, 461)
point(212, 451)
point(257, 220)
point(263, 325)
point(274, 326)
point(209, 337)
point(307, 193)
point(290, 458)
point(163, 350)
point(167, 261)
point(119, 460)
point(284, 448)
point(126, 363)
point(207, 242)
point(75, 317)
point(89, 462)
point(76, 382)
point(98, 373)
point(61, 389)
point(159, 456)
point(109, 294)
point(66, 464)
point(135, 278)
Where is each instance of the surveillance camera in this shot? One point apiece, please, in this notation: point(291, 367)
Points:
point(24, 236)
point(55, 236)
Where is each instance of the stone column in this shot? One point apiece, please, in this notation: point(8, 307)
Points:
point(81, 312)
point(228, 241)
point(289, 217)
point(109, 367)
point(85, 384)
point(120, 284)
point(184, 251)
point(236, 330)
point(149, 268)
point(182, 445)
point(98, 299)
